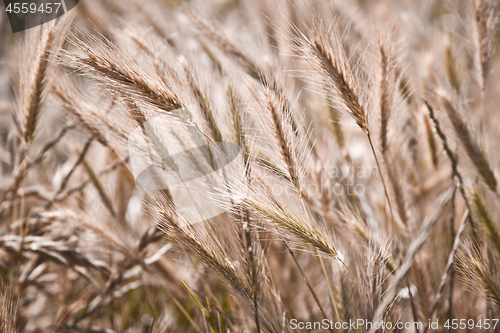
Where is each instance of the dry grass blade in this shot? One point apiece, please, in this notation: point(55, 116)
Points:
point(449, 264)
point(336, 127)
point(207, 250)
point(98, 184)
point(475, 153)
point(61, 197)
point(251, 234)
point(487, 222)
point(204, 105)
point(80, 159)
point(309, 285)
point(486, 19)
point(398, 193)
point(282, 126)
point(36, 76)
point(454, 164)
point(279, 110)
point(300, 229)
point(387, 89)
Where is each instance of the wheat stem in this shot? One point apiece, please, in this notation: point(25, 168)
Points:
point(309, 285)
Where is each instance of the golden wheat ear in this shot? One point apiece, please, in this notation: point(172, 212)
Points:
point(321, 46)
point(42, 45)
point(116, 70)
point(479, 270)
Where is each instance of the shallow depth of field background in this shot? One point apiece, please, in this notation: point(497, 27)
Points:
point(370, 137)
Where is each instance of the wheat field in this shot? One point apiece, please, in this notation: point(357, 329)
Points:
point(252, 166)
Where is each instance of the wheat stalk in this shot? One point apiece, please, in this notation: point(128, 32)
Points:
point(475, 153)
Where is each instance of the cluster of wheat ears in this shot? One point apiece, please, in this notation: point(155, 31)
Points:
point(370, 139)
